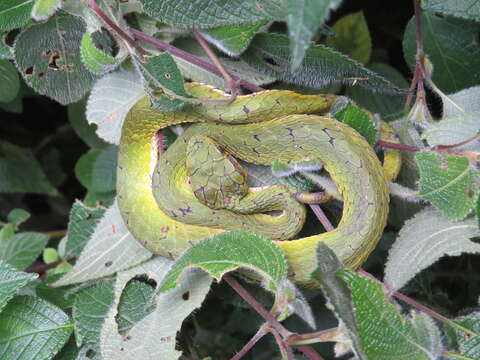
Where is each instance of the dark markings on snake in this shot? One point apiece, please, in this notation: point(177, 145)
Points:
point(256, 137)
point(278, 102)
point(255, 151)
point(331, 139)
point(245, 109)
point(290, 132)
point(185, 211)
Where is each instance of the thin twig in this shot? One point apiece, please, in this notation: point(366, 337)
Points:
point(274, 324)
point(246, 348)
point(309, 352)
point(191, 58)
point(285, 350)
point(415, 304)
point(396, 146)
point(40, 268)
point(55, 233)
point(322, 217)
point(228, 78)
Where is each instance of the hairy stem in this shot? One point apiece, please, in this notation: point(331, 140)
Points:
point(246, 348)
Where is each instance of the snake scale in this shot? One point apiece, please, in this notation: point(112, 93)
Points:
point(155, 193)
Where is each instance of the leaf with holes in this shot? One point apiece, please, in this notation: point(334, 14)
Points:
point(445, 40)
point(384, 332)
point(227, 252)
point(32, 328)
point(448, 183)
point(162, 73)
point(10, 81)
point(14, 13)
point(321, 66)
point(232, 40)
point(12, 280)
point(153, 337)
point(424, 239)
point(43, 9)
point(111, 248)
point(48, 57)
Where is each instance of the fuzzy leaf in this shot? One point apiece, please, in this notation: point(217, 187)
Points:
point(43, 9)
point(81, 225)
point(110, 249)
point(469, 345)
point(87, 132)
point(22, 249)
point(110, 100)
point(213, 13)
point(352, 37)
point(360, 120)
point(153, 337)
point(445, 41)
point(423, 240)
point(384, 332)
point(468, 100)
point(303, 19)
point(232, 40)
point(321, 66)
point(469, 9)
point(10, 81)
point(12, 280)
point(14, 13)
point(337, 294)
point(89, 310)
point(32, 329)
point(453, 129)
point(99, 61)
point(227, 252)
point(449, 183)
point(48, 57)
point(20, 172)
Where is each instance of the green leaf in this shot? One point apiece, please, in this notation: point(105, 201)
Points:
point(321, 66)
point(21, 173)
point(453, 129)
point(153, 337)
point(161, 73)
point(449, 183)
point(469, 345)
point(14, 13)
point(10, 81)
point(467, 100)
point(469, 9)
point(22, 249)
point(97, 169)
point(18, 216)
point(110, 100)
point(43, 9)
point(388, 106)
point(337, 294)
point(232, 40)
point(111, 248)
point(213, 13)
point(227, 252)
point(81, 225)
point(424, 239)
point(31, 328)
point(62, 297)
point(135, 303)
point(89, 311)
point(11, 280)
point(384, 333)
point(352, 37)
point(6, 52)
point(48, 57)
point(50, 255)
point(96, 60)
point(445, 40)
point(358, 119)
point(303, 19)
point(86, 131)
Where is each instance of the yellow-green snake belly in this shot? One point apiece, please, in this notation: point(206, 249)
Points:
point(259, 128)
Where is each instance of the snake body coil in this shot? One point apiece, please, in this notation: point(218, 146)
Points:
point(258, 128)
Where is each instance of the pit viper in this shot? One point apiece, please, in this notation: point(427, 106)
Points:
point(156, 193)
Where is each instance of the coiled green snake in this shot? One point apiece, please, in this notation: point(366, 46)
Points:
point(156, 199)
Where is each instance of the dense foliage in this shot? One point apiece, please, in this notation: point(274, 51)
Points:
point(75, 284)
